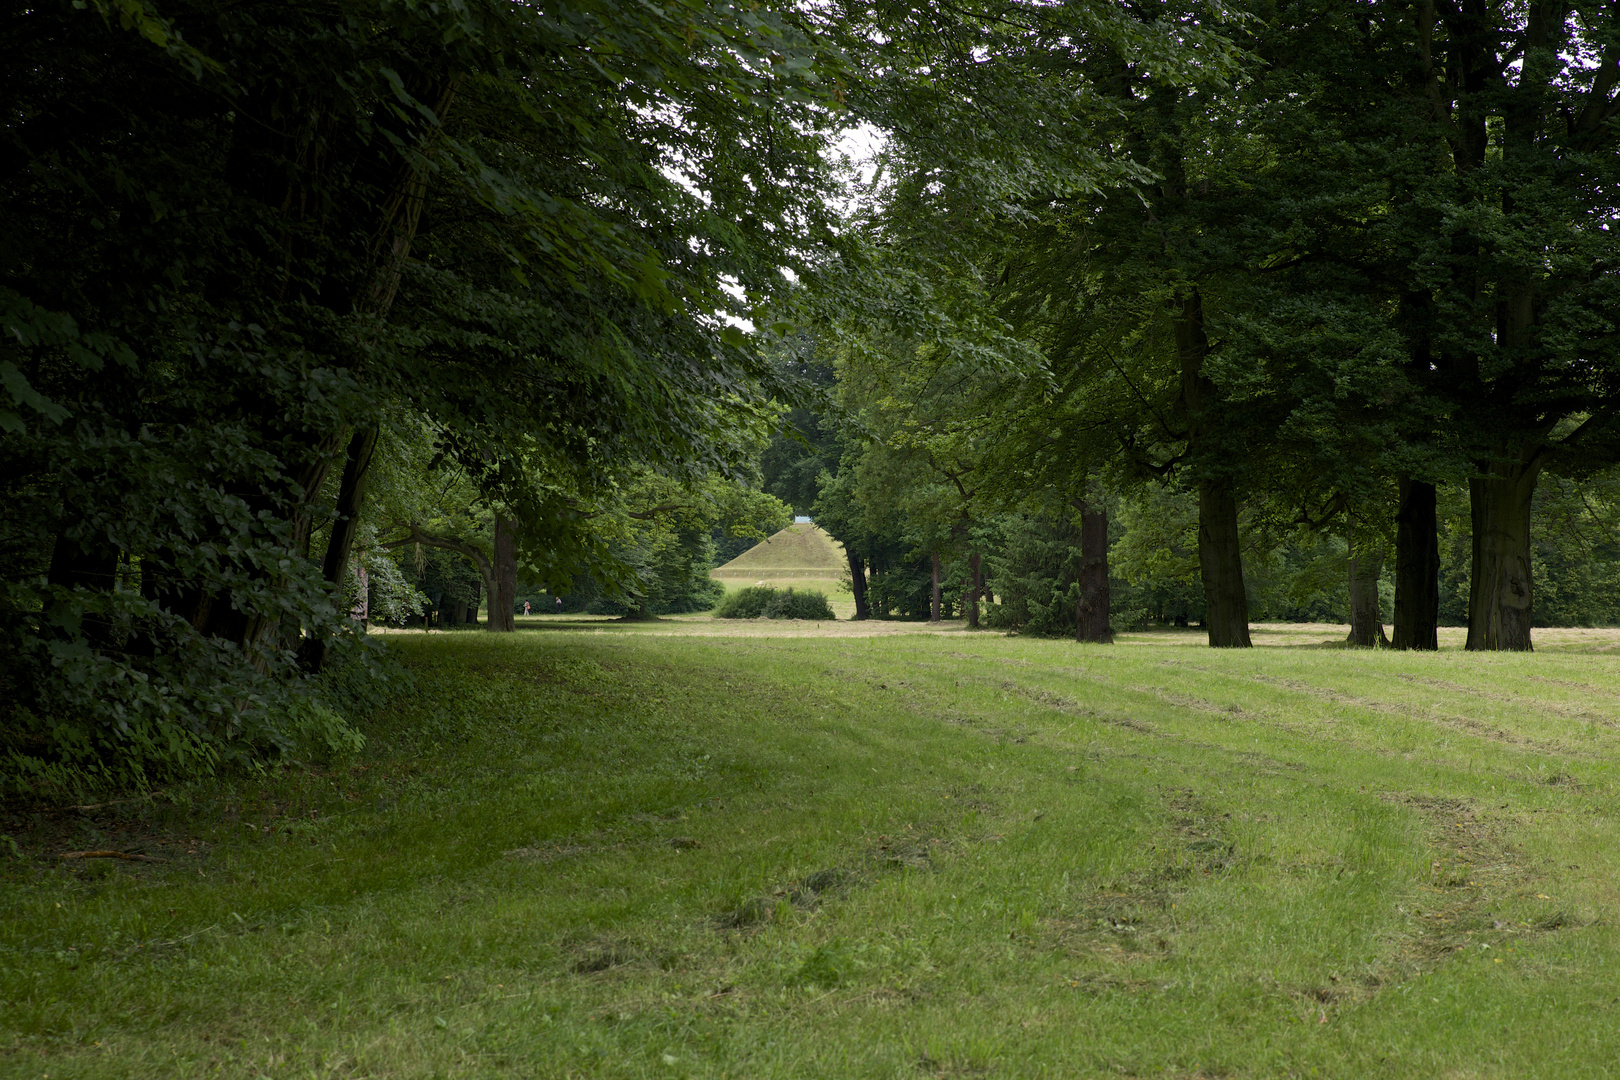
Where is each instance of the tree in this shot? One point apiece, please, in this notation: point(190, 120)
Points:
point(1486, 130)
point(991, 110)
point(243, 241)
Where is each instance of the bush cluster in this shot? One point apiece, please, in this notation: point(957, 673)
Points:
point(765, 602)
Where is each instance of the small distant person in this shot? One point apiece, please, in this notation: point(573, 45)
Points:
point(559, 605)
point(525, 607)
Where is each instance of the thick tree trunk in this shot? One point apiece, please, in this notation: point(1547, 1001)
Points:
point(857, 584)
point(1501, 593)
point(970, 595)
point(933, 606)
point(1091, 610)
point(1220, 554)
point(503, 598)
point(1220, 564)
point(1417, 568)
point(1366, 624)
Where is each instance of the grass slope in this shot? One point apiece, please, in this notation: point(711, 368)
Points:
point(611, 854)
point(799, 550)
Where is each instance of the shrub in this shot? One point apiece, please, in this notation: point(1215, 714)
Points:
point(762, 601)
point(746, 603)
point(792, 605)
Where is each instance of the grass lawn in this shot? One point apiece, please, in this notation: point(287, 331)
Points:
point(595, 849)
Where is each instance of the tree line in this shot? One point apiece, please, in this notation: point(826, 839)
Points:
point(293, 290)
point(1370, 258)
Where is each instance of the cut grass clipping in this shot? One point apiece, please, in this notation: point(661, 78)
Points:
point(764, 602)
point(597, 854)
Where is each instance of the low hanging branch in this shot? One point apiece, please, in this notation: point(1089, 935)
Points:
point(648, 515)
point(415, 534)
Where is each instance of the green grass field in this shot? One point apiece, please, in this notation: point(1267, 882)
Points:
point(608, 850)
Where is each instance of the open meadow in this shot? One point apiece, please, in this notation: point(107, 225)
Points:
point(694, 849)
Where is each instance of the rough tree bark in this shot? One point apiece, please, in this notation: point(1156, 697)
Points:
point(1091, 610)
point(934, 605)
point(503, 601)
point(857, 584)
point(1220, 563)
point(1220, 552)
point(1501, 592)
point(1417, 568)
point(1366, 624)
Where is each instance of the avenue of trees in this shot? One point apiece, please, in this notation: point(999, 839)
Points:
point(311, 307)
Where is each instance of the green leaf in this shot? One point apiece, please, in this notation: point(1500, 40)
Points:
point(24, 394)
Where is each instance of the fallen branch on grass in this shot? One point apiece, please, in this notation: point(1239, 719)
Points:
point(118, 802)
point(109, 855)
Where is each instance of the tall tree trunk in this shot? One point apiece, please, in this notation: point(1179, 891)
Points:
point(387, 253)
point(970, 600)
point(503, 598)
point(1417, 568)
point(351, 498)
point(1366, 623)
point(857, 584)
point(933, 607)
point(1220, 552)
point(1091, 610)
point(1220, 564)
point(346, 518)
point(1501, 591)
